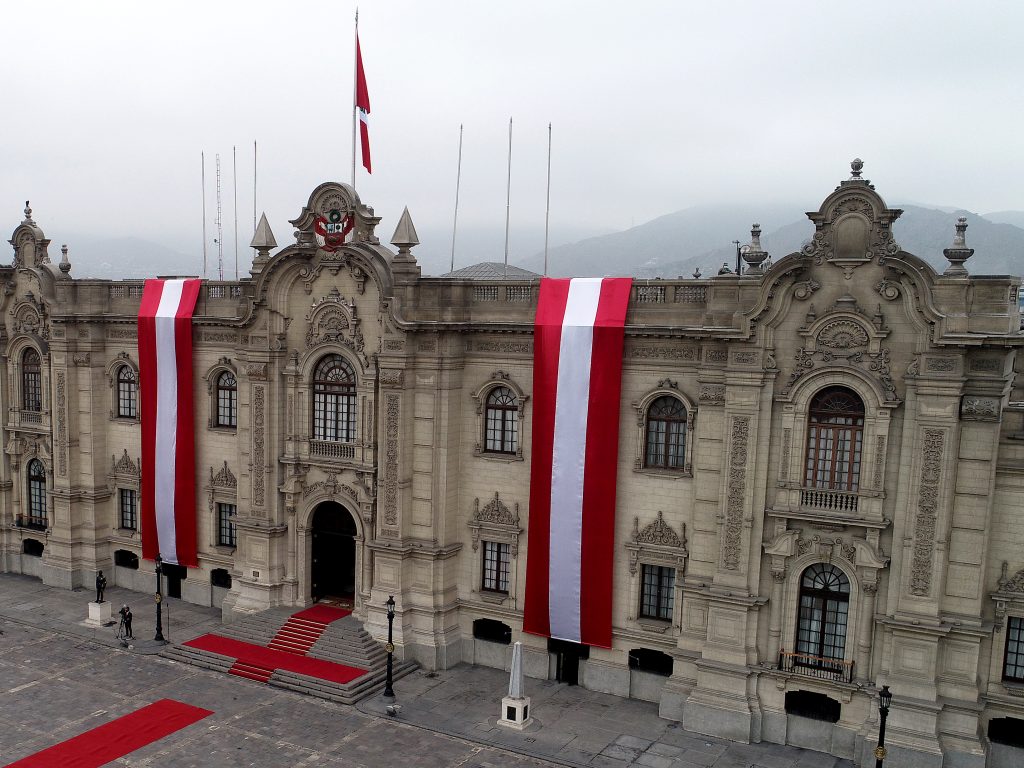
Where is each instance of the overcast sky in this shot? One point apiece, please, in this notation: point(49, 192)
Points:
point(655, 106)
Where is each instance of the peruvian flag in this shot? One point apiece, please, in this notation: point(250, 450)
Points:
point(577, 376)
point(363, 107)
point(168, 440)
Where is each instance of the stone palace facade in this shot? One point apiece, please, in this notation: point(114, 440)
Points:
point(820, 482)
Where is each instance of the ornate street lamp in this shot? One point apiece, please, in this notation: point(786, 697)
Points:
point(389, 692)
point(884, 700)
point(159, 600)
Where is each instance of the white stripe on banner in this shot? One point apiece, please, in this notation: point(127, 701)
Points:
point(569, 453)
point(166, 417)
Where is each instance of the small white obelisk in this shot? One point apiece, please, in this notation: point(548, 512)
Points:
point(515, 708)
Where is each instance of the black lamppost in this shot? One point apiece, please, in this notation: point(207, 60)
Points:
point(884, 700)
point(159, 600)
point(389, 693)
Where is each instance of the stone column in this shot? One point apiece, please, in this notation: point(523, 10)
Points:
point(775, 607)
point(865, 633)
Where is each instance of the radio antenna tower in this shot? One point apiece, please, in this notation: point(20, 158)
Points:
point(220, 228)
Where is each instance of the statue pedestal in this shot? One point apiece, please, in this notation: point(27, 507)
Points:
point(99, 614)
point(515, 712)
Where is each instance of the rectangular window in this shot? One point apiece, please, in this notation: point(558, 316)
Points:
point(226, 525)
point(496, 556)
point(129, 509)
point(657, 592)
point(227, 407)
point(1013, 667)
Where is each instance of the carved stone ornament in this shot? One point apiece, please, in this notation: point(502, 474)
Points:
point(333, 320)
point(927, 512)
point(827, 547)
point(712, 393)
point(391, 377)
point(224, 478)
point(656, 543)
point(124, 465)
point(1015, 584)
point(662, 352)
point(256, 371)
point(736, 493)
point(843, 334)
point(974, 408)
point(888, 289)
point(258, 445)
point(81, 359)
point(392, 411)
point(495, 522)
point(805, 289)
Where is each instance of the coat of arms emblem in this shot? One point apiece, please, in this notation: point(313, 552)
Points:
point(331, 230)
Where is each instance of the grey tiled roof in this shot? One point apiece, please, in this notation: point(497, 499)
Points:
point(491, 270)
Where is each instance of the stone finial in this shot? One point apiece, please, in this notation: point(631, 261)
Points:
point(262, 240)
point(65, 265)
point(696, 274)
point(28, 213)
point(856, 167)
point(405, 233)
point(959, 253)
point(753, 253)
point(725, 269)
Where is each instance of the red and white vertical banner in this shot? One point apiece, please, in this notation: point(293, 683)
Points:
point(168, 440)
point(577, 379)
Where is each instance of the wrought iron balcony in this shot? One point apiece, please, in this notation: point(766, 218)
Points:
point(842, 502)
point(33, 523)
point(331, 449)
point(821, 667)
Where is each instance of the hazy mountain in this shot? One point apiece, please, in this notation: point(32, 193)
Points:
point(1006, 217)
point(132, 258)
point(702, 236)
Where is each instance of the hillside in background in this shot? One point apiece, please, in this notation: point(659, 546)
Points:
point(669, 246)
point(701, 237)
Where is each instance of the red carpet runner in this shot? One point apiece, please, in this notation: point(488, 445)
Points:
point(256, 657)
point(117, 738)
point(304, 628)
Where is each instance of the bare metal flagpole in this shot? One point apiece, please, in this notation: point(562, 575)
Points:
point(508, 193)
point(355, 86)
point(458, 181)
point(254, 188)
point(234, 183)
point(547, 210)
point(202, 157)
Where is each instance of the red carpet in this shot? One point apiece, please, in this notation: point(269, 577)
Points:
point(304, 628)
point(322, 614)
point(115, 739)
point(258, 657)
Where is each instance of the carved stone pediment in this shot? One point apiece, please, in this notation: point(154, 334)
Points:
point(334, 204)
point(124, 465)
point(845, 335)
point(657, 543)
point(224, 478)
point(333, 320)
point(496, 522)
point(853, 227)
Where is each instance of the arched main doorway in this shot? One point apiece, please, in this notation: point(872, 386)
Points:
point(334, 552)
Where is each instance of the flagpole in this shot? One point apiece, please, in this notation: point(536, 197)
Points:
point(202, 157)
point(254, 188)
point(355, 86)
point(458, 181)
point(547, 210)
point(508, 193)
point(234, 187)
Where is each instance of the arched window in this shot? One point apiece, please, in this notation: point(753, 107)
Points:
point(334, 400)
point(126, 387)
point(227, 400)
point(824, 608)
point(835, 432)
point(666, 434)
point(36, 493)
point(502, 421)
point(31, 382)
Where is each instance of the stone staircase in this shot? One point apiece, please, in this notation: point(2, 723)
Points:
point(343, 641)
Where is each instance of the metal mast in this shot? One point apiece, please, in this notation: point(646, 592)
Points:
point(202, 156)
point(220, 228)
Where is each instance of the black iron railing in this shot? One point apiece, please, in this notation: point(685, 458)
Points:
point(816, 666)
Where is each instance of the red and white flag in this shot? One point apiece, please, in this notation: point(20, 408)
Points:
point(168, 440)
point(363, 107)
point(577, 377)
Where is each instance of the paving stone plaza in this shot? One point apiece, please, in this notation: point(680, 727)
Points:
point(60, 678)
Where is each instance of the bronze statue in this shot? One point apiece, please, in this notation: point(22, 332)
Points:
point(101, 585)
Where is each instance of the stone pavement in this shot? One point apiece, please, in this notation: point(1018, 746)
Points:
point(59, 678)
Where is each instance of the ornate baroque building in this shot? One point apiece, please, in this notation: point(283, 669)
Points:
point(820, 483)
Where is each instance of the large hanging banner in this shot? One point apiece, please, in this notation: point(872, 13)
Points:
point(168, 441)
point(577, 378)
